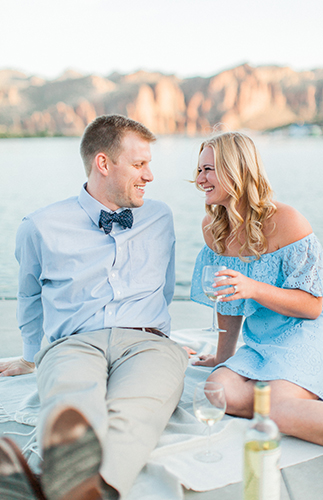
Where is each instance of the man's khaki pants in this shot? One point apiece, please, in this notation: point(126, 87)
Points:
point(126, 382)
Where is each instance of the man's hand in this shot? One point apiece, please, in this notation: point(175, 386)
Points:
point(16, 367)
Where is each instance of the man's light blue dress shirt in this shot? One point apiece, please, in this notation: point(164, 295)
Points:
point(75, 278)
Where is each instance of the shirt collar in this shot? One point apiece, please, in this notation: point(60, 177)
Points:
point(92, 206)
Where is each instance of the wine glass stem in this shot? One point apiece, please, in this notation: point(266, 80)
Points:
point(215, 317)
point(208, 448)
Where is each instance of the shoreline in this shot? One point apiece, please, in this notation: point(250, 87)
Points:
point(185, 314)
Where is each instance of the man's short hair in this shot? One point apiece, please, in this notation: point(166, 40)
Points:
point(104, 135)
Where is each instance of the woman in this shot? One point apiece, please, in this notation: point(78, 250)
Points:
point(274, 279)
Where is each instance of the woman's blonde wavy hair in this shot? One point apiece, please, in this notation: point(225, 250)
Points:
point(241, 173)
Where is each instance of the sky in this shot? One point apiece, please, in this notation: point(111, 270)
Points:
point(181, 37)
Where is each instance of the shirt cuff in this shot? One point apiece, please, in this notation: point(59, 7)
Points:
point(29, 351)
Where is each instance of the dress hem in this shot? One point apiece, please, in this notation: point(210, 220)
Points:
point(271, 379)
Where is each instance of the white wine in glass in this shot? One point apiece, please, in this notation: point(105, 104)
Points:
point(209, 407)
point(208, 279)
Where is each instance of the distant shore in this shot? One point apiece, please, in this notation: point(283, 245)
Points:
point(290, 130)
point(8, 135)
point(245, 97)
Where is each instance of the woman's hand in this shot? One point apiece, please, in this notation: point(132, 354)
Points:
point(205, 360)
point(189, 351)
point(288, 302)
point(237, 286)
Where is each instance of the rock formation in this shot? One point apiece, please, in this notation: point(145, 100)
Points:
point(258, 98)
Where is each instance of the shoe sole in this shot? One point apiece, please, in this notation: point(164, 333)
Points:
point(13, 452)
point(63, 439)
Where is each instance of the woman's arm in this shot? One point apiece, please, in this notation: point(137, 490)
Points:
point(295, 303)
point(227, 341)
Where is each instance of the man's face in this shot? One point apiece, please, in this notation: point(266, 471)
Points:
point(127, 178)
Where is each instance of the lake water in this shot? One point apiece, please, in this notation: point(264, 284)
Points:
point(36, 172)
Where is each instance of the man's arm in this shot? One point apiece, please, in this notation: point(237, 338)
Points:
point(169, 287)
point(29, 306)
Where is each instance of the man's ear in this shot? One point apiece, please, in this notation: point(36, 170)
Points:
point(101, 162)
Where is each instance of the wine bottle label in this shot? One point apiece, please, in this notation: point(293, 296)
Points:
point(261, 474)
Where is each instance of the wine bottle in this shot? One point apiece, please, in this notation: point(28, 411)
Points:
point(261, 480)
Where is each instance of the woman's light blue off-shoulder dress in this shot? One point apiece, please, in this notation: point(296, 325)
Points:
point(276, 346)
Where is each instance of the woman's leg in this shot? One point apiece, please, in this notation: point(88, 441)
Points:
point(238, 391)
point(296, 411)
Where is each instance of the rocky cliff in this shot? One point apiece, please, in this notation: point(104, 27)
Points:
point(257, 98)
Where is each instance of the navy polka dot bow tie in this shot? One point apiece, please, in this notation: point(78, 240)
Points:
point(124, 218)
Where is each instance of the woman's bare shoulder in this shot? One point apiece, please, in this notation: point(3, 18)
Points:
point(290, 225)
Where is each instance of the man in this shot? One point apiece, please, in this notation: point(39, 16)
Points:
point(96, 276)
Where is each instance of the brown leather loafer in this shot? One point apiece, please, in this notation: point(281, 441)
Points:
point(72, 457)
point(17, 481)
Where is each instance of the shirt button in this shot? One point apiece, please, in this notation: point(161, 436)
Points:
point(110, 313)
point(113, 232)
point(118, 292)
point(113, 275)
point(119, 249)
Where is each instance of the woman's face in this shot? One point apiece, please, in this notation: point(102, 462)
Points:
point(207, 179)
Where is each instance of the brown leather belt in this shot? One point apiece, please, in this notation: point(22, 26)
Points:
point(148, 330)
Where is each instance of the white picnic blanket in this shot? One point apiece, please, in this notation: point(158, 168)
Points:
point(171, 464)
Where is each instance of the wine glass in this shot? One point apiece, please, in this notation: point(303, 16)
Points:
point(209, 407)
point(208, 279)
